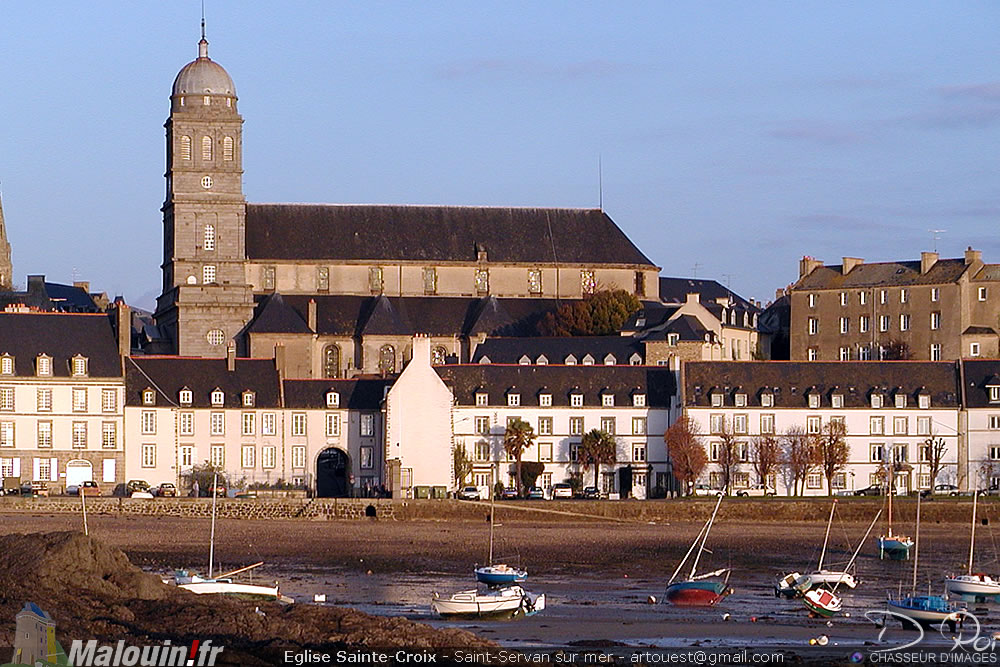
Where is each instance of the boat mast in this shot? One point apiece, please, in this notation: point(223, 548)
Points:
point(211, 541)
point(708, 528)
point(858, 550)
point(916, 548)
point(688, 554)
point(826, 538)
point(891, 474)
point(972, 540)
point(493, 500)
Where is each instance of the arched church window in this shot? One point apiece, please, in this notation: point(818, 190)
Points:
point(206, 149)
point(227, 149)
point(209, 243)
point(438, 355)
point(331, 361)
point(387, 359)
point(185, 147)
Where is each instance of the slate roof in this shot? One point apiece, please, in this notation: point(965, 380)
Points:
point(50, 297)
point(882, 274)
point(980, 374)
point(355, 393)
point(555, 350)
point(658, 383)
point(687, 327)
point(979, 330)
point(652, 314)
point(790, 380)
point(675, 290)
point(61, 336)
point(353, 315)
point(168, 375)
point(436, 234)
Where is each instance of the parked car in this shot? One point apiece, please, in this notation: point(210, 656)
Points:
point(562, 490)
point(469, 493)
point(134, 485)
point(946, 490)
point(536, 493)
point(706, 490)
point(509, 493)
point(218, 490)
point(90, 488)
point(590, 492)
point(759, 490)
point(166, 490)
point(35, 488)
point(873, 490)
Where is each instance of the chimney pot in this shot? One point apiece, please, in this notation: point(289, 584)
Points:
point(973, 256)
point(850, 262)
point(927, 261)
point(807, 265)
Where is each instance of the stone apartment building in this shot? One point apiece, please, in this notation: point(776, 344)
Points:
point(61, 399)
point(938, 308)
point(889, 410)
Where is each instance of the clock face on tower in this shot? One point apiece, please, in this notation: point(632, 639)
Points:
point(206, 182)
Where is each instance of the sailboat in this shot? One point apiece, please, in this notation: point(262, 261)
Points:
point(825, 602)
point(928, 609)
point(498, 574)
point(978, 585)
point(224, 584)
point(795, 584)
point(896, 547)
point(699, 590)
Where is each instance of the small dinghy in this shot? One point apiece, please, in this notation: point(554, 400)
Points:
point(500, 574)
point(508, 601)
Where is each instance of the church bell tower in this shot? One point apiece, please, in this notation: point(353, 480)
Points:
point(205, 300)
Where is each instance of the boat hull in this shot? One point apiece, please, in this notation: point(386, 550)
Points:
point(500, 575)
point(978, 585)
point(822, 602)
point(501, 603)
point(791, 585)
point(894, 548)
point(244, 591)
point(696, 593)
point(925, 610)
point(830, 578)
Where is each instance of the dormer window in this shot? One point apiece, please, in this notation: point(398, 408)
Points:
point(635, 360)
point(876, 401)
point(485, 360)
point(248, 399)
point(610, 360)
point(6, 365)
point(924, 401)
point(525, 360)
point(43, 365)
point(716, 399)
point(994, 394)
point(813, 400)
point(332, 399)
point(639, 400)
point(218, 398)
point(482, 398)
point(542, 360)
point(576, 400)
point(588, 360)
point(900, 400)
point(767, 400)
point(673, 339)
point(513, 400)
point(608, 400)
point(148, 397)
point(570, 360)
point(837, 401)
point(545, 400)
point(740, 400)
point(185, 397)
point(79, 366)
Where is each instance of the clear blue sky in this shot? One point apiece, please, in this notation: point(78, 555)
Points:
point(735, 136)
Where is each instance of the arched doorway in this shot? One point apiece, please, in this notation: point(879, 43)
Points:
point(333, 471)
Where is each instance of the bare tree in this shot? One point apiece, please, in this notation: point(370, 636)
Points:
point(766, 456)
point(728, 454)
point(831, 451)
point(687, 454)
point(934, 451)
point(988, 470)
point(797, 456)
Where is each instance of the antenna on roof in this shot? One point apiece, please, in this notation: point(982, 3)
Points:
point(600, 183)
point(937, 235)
point(694, 269)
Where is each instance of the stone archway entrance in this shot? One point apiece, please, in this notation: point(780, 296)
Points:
point(333, 471)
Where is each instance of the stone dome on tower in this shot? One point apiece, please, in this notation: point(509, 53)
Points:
point(203, 76)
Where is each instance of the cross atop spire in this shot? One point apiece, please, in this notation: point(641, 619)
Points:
point(203, 44)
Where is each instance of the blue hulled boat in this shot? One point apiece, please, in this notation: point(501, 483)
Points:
point(500, 575)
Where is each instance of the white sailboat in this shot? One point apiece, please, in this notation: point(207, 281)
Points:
point(824, 602)
point(974, 584)
point(795, 584)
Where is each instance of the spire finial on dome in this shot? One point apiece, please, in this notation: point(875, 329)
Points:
point(203, 44)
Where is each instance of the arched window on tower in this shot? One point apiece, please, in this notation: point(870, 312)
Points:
point(206, 149)
point(227, 149)
point(387, 359)
point(209, 242)
point(438, 355)
point(331, 361)
point(185, 147)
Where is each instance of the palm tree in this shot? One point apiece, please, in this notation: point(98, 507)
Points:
point(518, 437)
point(598, 447)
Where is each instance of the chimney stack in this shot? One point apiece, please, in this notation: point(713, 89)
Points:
point(82, 284)
point(973, 256)
point(692, 297)
point(312, 315)
point(850, 262)
point(927, 260)
point(123, 327)
point(231, 356)
point(279, 360)
point(807, 265)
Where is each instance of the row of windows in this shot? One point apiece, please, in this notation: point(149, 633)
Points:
point(248, 423)
point(545, 400)
point(814, 400)
point(864, 352)
point(43, 433)
point(228, 148)
point(877, 452)
point(248, 456)
point(217, 397)
point(483, 452)
point(43, 399)
point(484, 426)
point(571, 360)
point(43, 365)
point(814, 425)
point(864, 323)
point(883, 296)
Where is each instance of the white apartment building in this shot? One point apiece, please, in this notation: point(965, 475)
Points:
point(889, 409)
point(61, 398)
point(980, 382)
